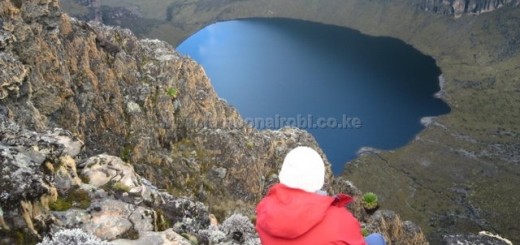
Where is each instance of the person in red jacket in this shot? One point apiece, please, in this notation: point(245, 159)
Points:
point(294, 211)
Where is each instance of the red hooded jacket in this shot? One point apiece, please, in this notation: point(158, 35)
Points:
point(289, 216)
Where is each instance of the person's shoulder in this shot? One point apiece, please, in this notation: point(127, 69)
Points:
point(342, 200)
point(339, 210)
point(341, 214)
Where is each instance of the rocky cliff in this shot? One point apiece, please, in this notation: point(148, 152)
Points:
point(137, 99)
point(105, 132)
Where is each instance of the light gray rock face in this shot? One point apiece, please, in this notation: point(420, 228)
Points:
point(102, 169)
point(457, 8)
point(110, 219)
point(31, 166)
point(106, 171)
point(167, 237)
point(483, 238)
point(23, 155)
point(123, 205)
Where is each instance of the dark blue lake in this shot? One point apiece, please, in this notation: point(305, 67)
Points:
point(348, 89)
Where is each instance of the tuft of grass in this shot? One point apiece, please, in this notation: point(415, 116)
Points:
point(120, 187)
point(163, 223)
point(364, 232)
point(126, 153)
point(250, 145)
point(61, 204)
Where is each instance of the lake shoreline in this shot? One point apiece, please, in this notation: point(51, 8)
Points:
point(313, 73)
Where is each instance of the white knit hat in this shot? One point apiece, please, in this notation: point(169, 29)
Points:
point(303, 169)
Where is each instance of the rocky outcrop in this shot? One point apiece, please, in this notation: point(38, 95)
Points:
point(457, 8)
point(482, 238)
point(137, 99)
point(386, 222)
point(25, 189)
point(124, 208)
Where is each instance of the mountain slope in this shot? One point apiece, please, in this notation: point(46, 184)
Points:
point(462, 172)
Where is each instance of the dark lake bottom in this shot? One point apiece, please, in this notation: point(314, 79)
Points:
point(348, 89)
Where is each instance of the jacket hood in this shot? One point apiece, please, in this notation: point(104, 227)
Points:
point(289, 213)
point(303, 168)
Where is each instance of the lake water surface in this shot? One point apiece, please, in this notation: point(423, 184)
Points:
point(348, 89)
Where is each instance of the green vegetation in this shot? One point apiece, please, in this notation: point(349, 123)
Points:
point(84, 179)
point(61, 204)
point(190, 237)
point(120, 187)
point(364, 232)
point(18, 237)
point(163, 223)
point(370, 200)
point(250, 144)
point(77, 198)
point(126, 153)
point(172, 92)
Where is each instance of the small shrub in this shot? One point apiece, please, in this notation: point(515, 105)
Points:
point(126, 153)
point(239, 228)
point(370, 200)
point(250, 145)
point(172, 92)
point(73, 237)
point(211, 236)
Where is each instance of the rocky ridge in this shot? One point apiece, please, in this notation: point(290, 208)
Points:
point(91, 116)
point(457, 8)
